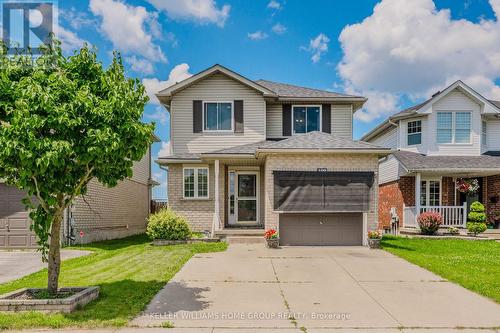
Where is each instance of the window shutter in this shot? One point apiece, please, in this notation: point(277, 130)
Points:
point(287, 119)
point(326, 118)
point(238, 117)
point(197, 116)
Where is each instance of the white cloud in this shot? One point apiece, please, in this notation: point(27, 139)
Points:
point(76, 19)
point(411, 48)
point(279, 29)
point(201, 11)
point(318, 46)
point(273, 4)
point(177, 74)
point(140, 65)
point(165, 150)
point(258, 35)
point(69, 40)
point(160, 115)
point(131, 29)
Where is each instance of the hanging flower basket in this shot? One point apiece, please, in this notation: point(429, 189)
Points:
point(467, 186)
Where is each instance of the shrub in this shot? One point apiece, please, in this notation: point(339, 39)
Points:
point(429, 222)
point(166, 224)
point(476, 219)
point(453, 231)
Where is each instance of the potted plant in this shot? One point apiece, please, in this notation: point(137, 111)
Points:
point(272, 238)
point(467, 186)
point(374, 238)
point(476, 220)
point(429, 222)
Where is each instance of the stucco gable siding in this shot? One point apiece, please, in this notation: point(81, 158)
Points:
point(216, 88)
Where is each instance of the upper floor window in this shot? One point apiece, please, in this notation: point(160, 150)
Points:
point(306, 119)
point(484, 135)
point(218, 116)
point(414, 132)
point(453, 127)
point(196, 182)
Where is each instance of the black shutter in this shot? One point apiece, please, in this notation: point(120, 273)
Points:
point(326, 118)
point(238, 117)
point(197, 116)
point(287, 119)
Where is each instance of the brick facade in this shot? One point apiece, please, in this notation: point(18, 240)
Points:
point(492, 197)
point(390, 196)
point(448, 191)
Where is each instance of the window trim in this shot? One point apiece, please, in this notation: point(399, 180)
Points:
point(203, 117)
point(196, 196)
point(306, 106)
point(428, 190)
point(453, 128)
point(408, 134)
point(484, 133)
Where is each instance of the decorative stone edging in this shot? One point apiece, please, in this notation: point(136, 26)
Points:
point(83, 296)
point(163, 242)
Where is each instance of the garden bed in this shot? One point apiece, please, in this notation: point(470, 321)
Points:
point(163, 242)
point(37, 299)
point(464, 237)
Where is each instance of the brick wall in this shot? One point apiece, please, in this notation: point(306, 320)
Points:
point(390, 195)
point(407, 187)
point(310, 162)
point(492, 190)
point(448, 191)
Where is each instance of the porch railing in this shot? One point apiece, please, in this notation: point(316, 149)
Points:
point(453, 216)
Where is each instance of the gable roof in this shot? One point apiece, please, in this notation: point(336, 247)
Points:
point(493, 107)
point(414, 162)
point(269, 89)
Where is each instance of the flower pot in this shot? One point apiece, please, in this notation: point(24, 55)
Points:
point(374, 243)
point(273, 243)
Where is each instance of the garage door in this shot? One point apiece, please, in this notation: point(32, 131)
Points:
point(14, 220)
point(321, 229)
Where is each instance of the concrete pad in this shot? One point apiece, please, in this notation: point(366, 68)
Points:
point(355, 330)
point(308, 270)
point(16, 264)
point(217, 304)
point(333, 304)
point(435, 304)
point(256, 330)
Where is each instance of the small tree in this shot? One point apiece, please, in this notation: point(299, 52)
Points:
point(63, 122)
point(476, 222)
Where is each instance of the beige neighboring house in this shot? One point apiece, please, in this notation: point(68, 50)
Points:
point(251, 155)
point(103, 213)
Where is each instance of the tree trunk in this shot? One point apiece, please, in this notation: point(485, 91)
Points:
point(54, 255)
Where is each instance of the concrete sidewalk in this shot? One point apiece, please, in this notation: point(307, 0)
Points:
point(318, 288)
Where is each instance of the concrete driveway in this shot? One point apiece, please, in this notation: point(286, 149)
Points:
point(16, 264)
point(317, 288)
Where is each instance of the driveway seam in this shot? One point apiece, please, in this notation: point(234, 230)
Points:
point(366, 291)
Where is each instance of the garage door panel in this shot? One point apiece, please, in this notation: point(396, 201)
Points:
point(18, 224)
point(20, 240)
point(321, 229)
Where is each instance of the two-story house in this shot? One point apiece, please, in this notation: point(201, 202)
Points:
point(453, 136)
point(258, 154)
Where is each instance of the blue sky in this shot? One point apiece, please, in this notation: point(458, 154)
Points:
point(396, 54)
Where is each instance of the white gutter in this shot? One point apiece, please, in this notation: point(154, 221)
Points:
point(327, 151)
point(174, 161)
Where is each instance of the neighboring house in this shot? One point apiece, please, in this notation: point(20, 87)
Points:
point(259, 154)
point(103, 213)
point(454, 134)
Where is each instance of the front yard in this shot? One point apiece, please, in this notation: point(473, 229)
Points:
point(474, 265)
point(130, 272)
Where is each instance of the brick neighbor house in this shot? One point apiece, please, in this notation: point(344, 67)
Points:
point(248, 155)
point(454, 135)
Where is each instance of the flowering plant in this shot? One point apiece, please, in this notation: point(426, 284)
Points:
point(429, 222)
point(374, 235)
point(271, 234)
point(467, 186)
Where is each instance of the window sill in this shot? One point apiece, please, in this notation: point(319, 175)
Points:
point(195, 199)
point(218, 132)
point(455, 144)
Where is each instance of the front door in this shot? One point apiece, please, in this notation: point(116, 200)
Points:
point(243, 198)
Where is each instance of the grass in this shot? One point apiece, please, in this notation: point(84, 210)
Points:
point(474, 265)
point(129, 271)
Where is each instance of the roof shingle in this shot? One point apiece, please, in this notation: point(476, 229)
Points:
point(288, 90)
point(418, 162)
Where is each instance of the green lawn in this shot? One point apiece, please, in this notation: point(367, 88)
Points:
point(474, 265)
point(129, 271)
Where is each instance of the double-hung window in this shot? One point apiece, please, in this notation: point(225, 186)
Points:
point(430, 193)
point(196, 182)
point(453, 127)
point(306, 119)
point(414, 132)
point(217, 116)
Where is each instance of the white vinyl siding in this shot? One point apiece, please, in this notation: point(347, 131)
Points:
point(388, 170)
point(274, 121)
point(216, 88)
point(388, 140)
point(493, 134)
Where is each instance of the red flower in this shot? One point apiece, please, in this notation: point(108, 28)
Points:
point(271, 233)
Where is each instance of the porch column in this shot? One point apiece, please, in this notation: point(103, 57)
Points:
point(417, 193)
point(216, 219)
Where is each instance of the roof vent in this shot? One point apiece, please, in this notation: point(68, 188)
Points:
point(436, 93)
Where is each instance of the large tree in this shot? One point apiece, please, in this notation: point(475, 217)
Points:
point(63, 122)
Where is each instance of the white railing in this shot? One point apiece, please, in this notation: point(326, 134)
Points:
point(453, 216)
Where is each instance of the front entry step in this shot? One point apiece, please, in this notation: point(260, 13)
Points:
point(245, 240)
